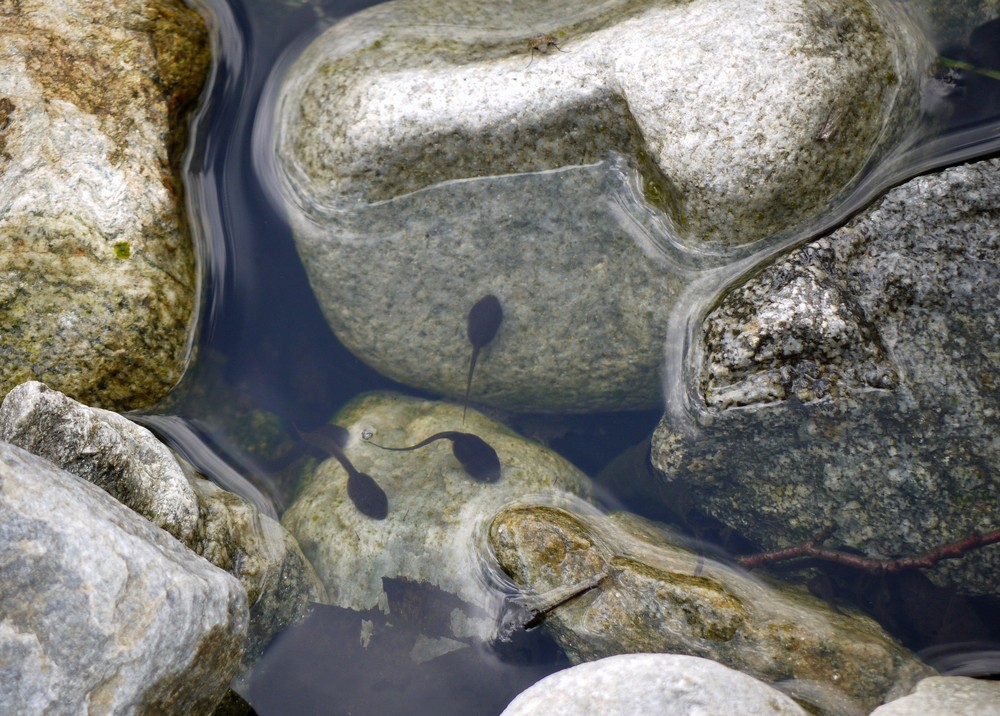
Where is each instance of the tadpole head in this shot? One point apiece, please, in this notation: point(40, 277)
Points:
point(367, 496)
point(484, 320)
point(478, 457)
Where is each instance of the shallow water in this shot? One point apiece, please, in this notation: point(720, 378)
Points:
point(265, 360)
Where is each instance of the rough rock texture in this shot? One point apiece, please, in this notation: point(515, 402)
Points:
point(128, 462)
point(631, 684)
point(435, 529)
point(104, 448)
point(101, 611)
point(853, 385)
point(656, 597)
point(947, 696)
point(97, 280)
point(582, 185)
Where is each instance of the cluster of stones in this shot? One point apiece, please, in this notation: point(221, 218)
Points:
point(131, 580)
point(586, 186)
point(425, 136)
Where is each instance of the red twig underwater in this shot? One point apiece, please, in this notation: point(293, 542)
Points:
point(871, 565)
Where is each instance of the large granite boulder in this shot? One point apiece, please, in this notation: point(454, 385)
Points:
point(852, 387)
point(631, 684)
point(97, 284)
point(129, 463)
point(432, 153)
point(618, 584)
point(101, 611)
point(434, 532)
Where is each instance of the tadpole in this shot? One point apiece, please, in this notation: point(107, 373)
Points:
point(477, 456)
point(484, 320)
point(365, 493)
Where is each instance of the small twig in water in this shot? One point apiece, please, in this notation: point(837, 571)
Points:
point(871, 565)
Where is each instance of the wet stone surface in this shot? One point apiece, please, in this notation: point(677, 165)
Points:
point(656, 597)
point(581, 184)
point(852, 388)
point(434, 529)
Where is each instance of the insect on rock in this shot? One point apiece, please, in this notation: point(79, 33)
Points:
point(542, 44)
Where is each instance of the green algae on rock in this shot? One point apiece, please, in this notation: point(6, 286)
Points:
point(654, 596)
point(583, 190)
point(98, 287)
point(435, 528)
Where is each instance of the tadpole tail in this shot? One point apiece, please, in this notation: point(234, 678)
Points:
point(420, 444)
point(468, 382)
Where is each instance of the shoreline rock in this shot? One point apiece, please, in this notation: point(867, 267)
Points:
point(98, 288)
point(102, 611)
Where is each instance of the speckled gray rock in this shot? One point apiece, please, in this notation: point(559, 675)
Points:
point(947, 696)
point(128, 462)
point(854, 385)
point(435, 529)
point(654, 596)
point(631, 684)
point(584, 189)
point(104, 448)
point(103, 612)
point(97, 284)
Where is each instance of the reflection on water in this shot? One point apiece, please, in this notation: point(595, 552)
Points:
point(267, 361)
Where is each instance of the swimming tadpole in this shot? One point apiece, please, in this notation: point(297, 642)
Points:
point(482, 325)
point(477, 456)
point(365, 493)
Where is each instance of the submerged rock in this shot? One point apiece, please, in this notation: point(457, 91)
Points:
point(128, 462)
point(582, 185)
point(631, 684)
point(97, 267)
point(947, 696)
point(102, 611)
point(649, 595)
point(852, 386)
point(434, 530)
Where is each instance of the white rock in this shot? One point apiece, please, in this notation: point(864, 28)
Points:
point(947, 696)
point(425, 164)
point(632, 684)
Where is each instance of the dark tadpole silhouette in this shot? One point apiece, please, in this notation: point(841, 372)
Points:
point(478, 458)
point(367, 496)
point(484, 320)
